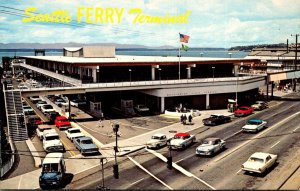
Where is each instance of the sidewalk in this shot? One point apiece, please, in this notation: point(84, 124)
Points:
point(78, 166)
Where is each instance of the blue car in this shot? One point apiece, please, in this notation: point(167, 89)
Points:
point(86, 145)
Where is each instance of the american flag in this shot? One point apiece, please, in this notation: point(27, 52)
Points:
point(184, 38)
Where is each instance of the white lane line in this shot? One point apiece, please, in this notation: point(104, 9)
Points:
point(179, 168)
point(136, 181)
point(20, 181)
point(136, 163)
point(233, 134)
point(256, 136)
point(296, 129)
point(238, 171)
point(185, 158)
point(274, 144)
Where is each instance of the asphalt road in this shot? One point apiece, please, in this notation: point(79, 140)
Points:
point(144, 170)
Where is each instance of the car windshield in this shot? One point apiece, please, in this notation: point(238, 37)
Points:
point(63, 120)
point(75, 131)
point(48, 107)
point(253, 122)
point(207, 142)
point(155, 137)
point(178, 137)
point(254, 159)
point(52, 167)
point(87, 142)
point(50, 138)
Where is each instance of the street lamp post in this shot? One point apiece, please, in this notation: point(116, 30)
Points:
point(213, 69)
point(115, 166)
point(159, 70)
point(63, 73)
point(130, 75)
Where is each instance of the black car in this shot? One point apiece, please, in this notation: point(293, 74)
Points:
point(216, 120)
point(52, 116)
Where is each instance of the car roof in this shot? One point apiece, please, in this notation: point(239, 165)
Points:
point(85, 138)
point(260, 155)
point(211, 139)
point(255, 120)
point(182, 134)
point(61, 117)
point(43, 126)
point(52, 158)
point(159, 134)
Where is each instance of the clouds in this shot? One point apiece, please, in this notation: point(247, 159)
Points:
point(214, 23)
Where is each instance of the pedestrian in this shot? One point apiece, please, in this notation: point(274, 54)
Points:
point(100, 124)
point(184, 119)
point(181, 118)
point(190, 118)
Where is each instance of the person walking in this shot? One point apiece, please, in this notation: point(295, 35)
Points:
point(181, 118)
point(184, 119)
point(190, 119)
point(100, 123)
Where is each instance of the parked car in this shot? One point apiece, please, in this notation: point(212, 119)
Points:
point(52, 116)
point(60, 102)
point(85, 145)
point(28, 110)
point(259, 105)
point(40, 130)
point(254, 125)
point(77, 103)
point(216, 119)
point(74, 133)
point(157, 141)
point(47, 108)
point(259, 162)
point(61, 122)
point(243, 111)
point(51, 142)
point(182, 140)
point(22, 86)
point(35, 99)
point(141, 108)
point(40, 103)
point(33, 121)
point(210, 146)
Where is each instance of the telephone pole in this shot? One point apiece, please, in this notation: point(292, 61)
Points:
point(296, 35)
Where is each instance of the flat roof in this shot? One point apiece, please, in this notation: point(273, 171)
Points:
point(52, 158)
point(131, 59)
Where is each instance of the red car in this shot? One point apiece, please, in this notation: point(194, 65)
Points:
point(62, 122)
point(243, 111)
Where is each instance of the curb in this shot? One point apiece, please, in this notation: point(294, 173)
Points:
point(37, 159)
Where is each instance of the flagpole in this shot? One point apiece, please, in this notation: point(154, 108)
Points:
point(179, 60)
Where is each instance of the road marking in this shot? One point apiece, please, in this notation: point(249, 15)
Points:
point(179, 168)
point(275, 144)
point(65, 145)
point(20, 181)
point(136, 181)
point(238, 171)
point(139, 165)
point(184, 158)
point(296, 129)
point(256, 136)
point(233, 134)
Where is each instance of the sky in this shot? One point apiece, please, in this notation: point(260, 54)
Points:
point(211, 23)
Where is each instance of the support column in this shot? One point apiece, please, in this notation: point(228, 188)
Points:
point(162, 104)
point(207, 101)
point(152, 73)
point(80, 72)
point(235, 70)
point(188, 70)
point(94, 73)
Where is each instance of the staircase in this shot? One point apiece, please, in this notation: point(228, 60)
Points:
point(17, 129)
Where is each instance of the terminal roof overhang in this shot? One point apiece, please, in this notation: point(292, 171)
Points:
point(124, 60)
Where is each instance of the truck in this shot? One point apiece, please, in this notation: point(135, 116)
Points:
point(53, 171)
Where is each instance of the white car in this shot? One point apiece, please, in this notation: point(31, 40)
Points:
point(157, 141)
point(22, 86)
point(182, 140)
point(51, 142)
point(210, 146)
point(259, 162)
point(254, 125)
point(47, 108)
point(35, 99)
point(73, 133)
point(39, 104)
point(77, 102)
point(41, 128)
point(61, 102)
point(28, 110)
point(259, 105)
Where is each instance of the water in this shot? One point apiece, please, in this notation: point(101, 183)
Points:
point(189, 53)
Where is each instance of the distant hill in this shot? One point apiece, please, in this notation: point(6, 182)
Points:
point(59, 46)
point(250, 47)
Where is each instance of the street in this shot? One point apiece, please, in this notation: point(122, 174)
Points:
point(147, 169)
